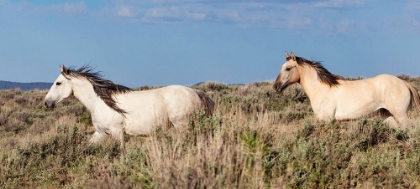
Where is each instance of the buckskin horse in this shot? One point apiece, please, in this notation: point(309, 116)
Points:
point(333, 97)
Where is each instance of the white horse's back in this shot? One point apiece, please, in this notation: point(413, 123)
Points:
point(159, 107)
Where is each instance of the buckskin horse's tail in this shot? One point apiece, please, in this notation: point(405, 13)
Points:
point(415, 97)
point(208, 103)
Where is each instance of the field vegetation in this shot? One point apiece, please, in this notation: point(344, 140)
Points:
point(256, 139)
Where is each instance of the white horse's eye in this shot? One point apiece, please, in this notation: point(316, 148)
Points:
point(58, 83)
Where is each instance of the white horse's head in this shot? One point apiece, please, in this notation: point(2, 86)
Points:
point(289, 73)
point(60, 90)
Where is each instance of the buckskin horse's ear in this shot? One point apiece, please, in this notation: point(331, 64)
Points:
point(293, 56)
point(64, 70)
point(287, 55)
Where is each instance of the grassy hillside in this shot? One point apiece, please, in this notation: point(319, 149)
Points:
point(24, 86)
point(256, 139)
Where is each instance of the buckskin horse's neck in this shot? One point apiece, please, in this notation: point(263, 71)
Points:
point(310, 82)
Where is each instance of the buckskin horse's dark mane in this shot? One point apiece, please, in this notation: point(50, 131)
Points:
point(323, 74)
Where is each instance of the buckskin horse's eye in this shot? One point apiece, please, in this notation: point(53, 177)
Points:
point(288, 69)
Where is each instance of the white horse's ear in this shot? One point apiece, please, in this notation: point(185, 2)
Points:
point(64, 70)
point(293, 56)
point(287, 55)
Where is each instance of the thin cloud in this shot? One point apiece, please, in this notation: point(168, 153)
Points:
point(71, 8)
point(346, 26)
point(316, 16)
point(301, 14)
point(243, 14)
point(125, 11)
point(413, 5)
point(339, 4)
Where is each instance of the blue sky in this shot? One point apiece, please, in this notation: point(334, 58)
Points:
point(163, 42)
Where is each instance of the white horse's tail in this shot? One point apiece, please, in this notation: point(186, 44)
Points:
point(208, 103)
point(415, 97)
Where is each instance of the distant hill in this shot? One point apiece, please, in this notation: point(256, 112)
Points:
point(198, 84)
point(24, 86)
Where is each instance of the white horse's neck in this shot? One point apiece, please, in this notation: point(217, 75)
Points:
point(310, 82)
point(83, 91)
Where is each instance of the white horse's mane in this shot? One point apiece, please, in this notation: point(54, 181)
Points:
point(105, 89)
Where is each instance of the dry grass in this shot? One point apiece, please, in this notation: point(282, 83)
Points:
point(256, 139)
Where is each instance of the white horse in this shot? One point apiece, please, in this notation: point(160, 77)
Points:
point(116, 109)
point(333, 97)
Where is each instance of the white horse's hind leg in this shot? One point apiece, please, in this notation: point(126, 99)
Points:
point(96, 137)
point(180, 123)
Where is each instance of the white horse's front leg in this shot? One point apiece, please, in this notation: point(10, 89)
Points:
point(118, 134)
point(96, 137)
